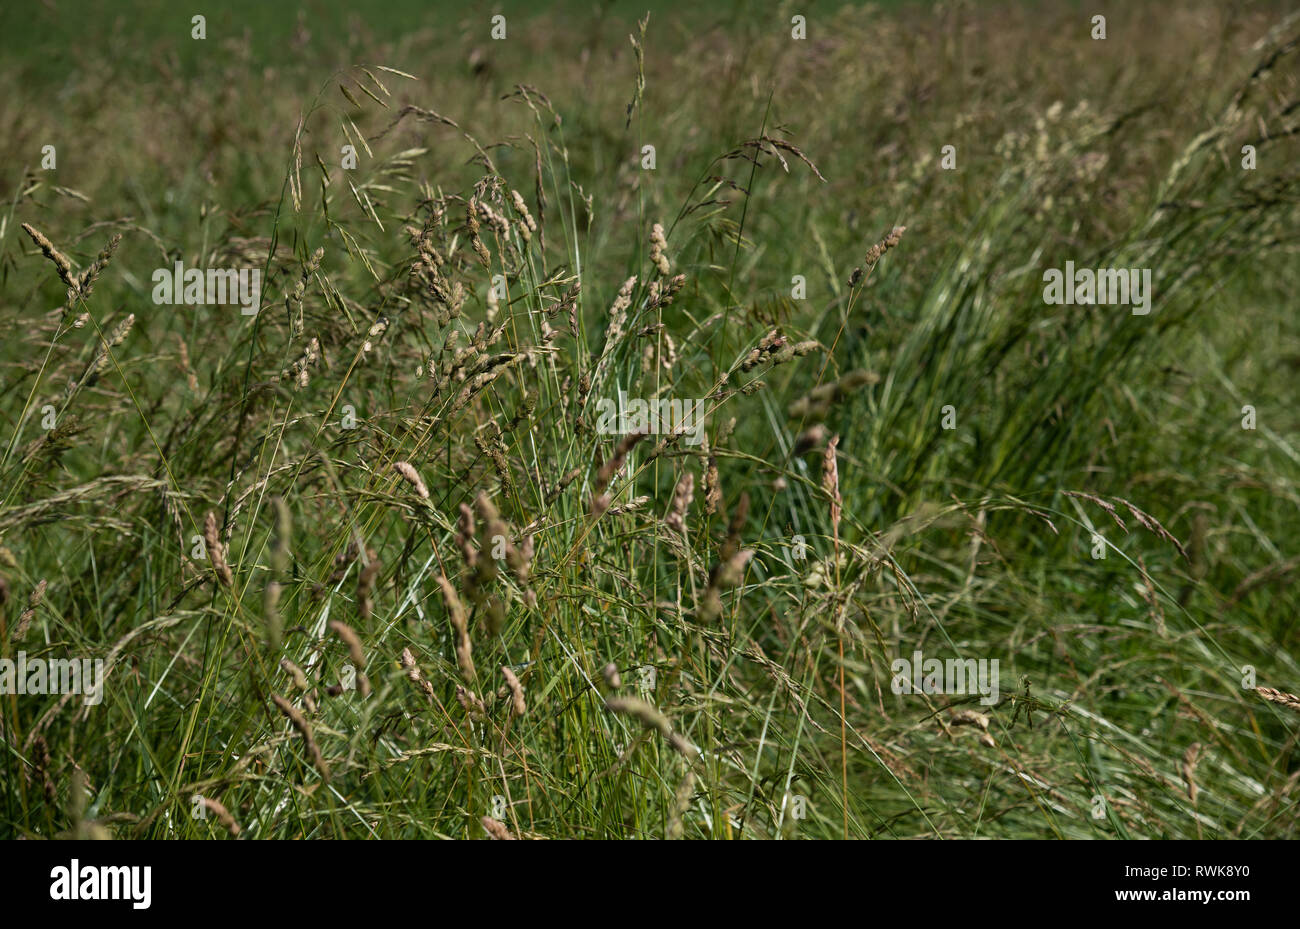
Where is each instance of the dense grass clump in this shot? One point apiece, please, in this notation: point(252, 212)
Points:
point(382, 560)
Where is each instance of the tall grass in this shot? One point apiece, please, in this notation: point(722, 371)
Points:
point(365, 564)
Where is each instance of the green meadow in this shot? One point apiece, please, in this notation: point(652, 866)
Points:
point(921, 551)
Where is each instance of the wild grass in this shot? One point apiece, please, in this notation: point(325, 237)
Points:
point(362, 565)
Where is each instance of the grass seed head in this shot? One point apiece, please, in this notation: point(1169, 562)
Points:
point(412, 477)
point(216, 550)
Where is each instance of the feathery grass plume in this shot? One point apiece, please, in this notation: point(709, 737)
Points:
point(831, 484)
point(816, 404)
point(793, 350)
point(114, 339)
point(811, 438)
point(353, 642)
point(599, 499)
point(53, 443)
point(55, 506)
point(1280, 697)
point(766, 345)
point(296, 674)
point(517, 703)
point(568, 306)
point(476, 243)
point(61, 262)
point(630, 506)
point(304, 730)
point(1187, 768)
point(412, 477)
point(668, 293)
point(496, 829)
point(293, 300)
point(470, 702)
point(773, 146)
point(500, 225)
point(347, 94)
point(294, 177)
point(1145, 520)
point(489, 369)
point(413, 673)
point(521, 208)
point(218, 809)
point(86, 282)
point(639, 50)
point(969, 718)
point(493, 448)
point(298, 371)
point(618, 316)
point(527, 225)
point(653, 299)
point(712, 482)
point(460, 625)
point(668, 353)
point(216, 550)
point(41, 765)
point(681, 803)
point(1151, 524)
point(658, 249)
point(649, 717)
point(876, 252)
point(300, 682)
point(539, 188)
point(612, 679)
point(378, 328)
point(726, 574)
point(1104, 504)
point(554, 492)
point(682, 497)
point(776, 349)
point(890, 241)
point(25, 619)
